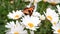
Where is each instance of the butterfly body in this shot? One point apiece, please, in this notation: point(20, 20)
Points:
point(28, 11)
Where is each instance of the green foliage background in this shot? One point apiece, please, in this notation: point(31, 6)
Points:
point(6, 6)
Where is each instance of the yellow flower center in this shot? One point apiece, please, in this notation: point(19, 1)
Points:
point(58, 31)
point(49, 17)
point(16, 33)
point(16, 17)
point(30, 25)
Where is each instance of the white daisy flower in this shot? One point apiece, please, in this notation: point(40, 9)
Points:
point(15, 15)
point(42, 17)
point(36, 14)
point(52, 1)
point(15, 28)
point(56, 28)
point(31, 22)
point(52, 16)
point(58, 7)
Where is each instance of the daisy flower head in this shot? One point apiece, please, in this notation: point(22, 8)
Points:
point(52, 16)
point(36, 14)
point(42, 17)
point(58, 8)
point(56, 28)
point(15, 28)
point(31, 22)
point(15, 15)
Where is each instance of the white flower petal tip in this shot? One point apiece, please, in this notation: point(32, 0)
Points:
point(58, 8)
point(28, 6)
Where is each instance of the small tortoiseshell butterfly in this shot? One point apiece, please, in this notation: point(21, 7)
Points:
point(28, 11)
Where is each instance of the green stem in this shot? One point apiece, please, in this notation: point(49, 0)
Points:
point(34, 32)
point(28, 31)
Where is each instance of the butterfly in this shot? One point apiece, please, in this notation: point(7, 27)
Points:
point(28, 11)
